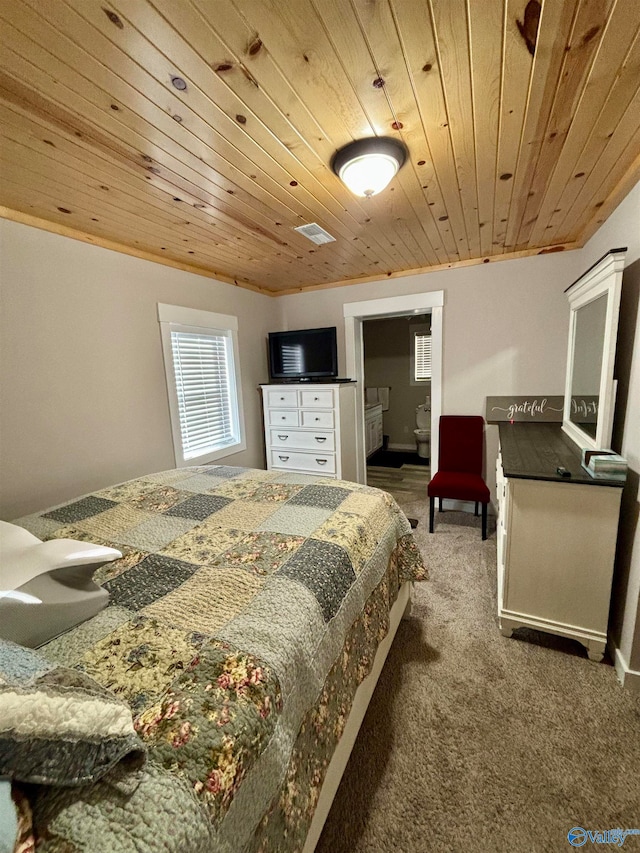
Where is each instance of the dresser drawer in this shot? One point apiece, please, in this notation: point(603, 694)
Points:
point(316, 463)
point(280, 399)
point(321, 420)
point(296, 439)
point(282, 417)
point(317, 399)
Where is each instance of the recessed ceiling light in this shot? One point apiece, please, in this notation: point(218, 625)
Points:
point(179, 83)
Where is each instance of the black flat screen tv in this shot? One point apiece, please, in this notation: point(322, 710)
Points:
point(303, 355)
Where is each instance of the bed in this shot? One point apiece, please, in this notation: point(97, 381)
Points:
point(249, 617)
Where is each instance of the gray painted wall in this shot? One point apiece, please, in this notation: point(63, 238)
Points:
point(84, 399)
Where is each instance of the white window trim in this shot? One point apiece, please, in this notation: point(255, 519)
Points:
point(416, 329)
point(177, 318)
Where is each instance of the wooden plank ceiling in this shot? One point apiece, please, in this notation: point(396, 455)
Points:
point(201, 132)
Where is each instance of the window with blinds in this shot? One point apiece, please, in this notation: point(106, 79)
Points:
point(203, 377)
point(421, 357)
point(203, 365)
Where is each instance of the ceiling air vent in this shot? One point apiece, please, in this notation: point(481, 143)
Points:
point(315, 233)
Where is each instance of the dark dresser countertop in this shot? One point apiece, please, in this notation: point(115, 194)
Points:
point(533, 451)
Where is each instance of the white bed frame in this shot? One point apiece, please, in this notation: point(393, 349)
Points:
point(400, 610)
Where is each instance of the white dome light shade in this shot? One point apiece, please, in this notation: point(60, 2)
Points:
point(368, 165)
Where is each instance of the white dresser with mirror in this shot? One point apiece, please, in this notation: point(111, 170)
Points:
point(557, 525)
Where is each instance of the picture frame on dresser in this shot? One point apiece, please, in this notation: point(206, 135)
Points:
point(589, 398)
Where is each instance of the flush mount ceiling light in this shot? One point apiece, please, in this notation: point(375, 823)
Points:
point(366, 166)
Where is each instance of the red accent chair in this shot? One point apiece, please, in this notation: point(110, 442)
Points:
point(459, 474)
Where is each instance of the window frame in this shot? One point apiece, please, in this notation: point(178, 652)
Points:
point(414, 331)
point(175, 318)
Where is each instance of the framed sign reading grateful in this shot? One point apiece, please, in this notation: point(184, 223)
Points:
point(532, 408)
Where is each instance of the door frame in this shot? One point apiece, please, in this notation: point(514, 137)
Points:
point(431, 302)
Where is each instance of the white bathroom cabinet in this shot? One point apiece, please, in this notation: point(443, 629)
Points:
point(373, 428)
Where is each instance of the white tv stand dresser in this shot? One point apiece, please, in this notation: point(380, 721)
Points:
point(310, 428)
point(556, 537)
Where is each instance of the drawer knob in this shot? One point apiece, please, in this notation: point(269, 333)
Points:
point(321, 461)
point(317, 419)
point(283, 437)
point(283, 458)
point(282, 398)
point(284, 417)
point(321, 438)
point(316, 399)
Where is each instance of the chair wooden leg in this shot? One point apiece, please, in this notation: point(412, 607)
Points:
point(484, 521)
point(432, 507)
point(439, 504)
point(476, 510)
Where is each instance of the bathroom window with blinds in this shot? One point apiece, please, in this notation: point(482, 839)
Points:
point(202, 369)
point(421, 356)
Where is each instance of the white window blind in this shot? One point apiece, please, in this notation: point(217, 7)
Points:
point(203, 369)
point(202, 366)
point(422, 357)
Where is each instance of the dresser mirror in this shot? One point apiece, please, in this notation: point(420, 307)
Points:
point(594, 303)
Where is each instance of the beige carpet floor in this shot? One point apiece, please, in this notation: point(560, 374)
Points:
point(474, 742)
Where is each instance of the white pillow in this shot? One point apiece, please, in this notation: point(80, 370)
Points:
point(24, 557)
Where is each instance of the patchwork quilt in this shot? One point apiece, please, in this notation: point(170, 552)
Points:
point(245, 611)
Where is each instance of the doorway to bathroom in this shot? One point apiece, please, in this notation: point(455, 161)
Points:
point(397, 393)
point(380, 342)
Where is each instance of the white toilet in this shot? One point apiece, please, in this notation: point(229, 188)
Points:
point(423, 431)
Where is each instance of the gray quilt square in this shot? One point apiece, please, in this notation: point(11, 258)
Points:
point(225, 472)
point(78, 510)
point(155, 534)
point(201, 483)
point(295, 520)
point(199, 506)
point(326, 570)
point(329, 497)
point(151, 579)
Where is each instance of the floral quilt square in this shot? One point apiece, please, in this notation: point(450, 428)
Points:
point(202, 544)
point(161, 499)
point(140, 659)
point(350, 532)
point(213, 723)
point(260, 553)
point(371, 507)
point(127, 491)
